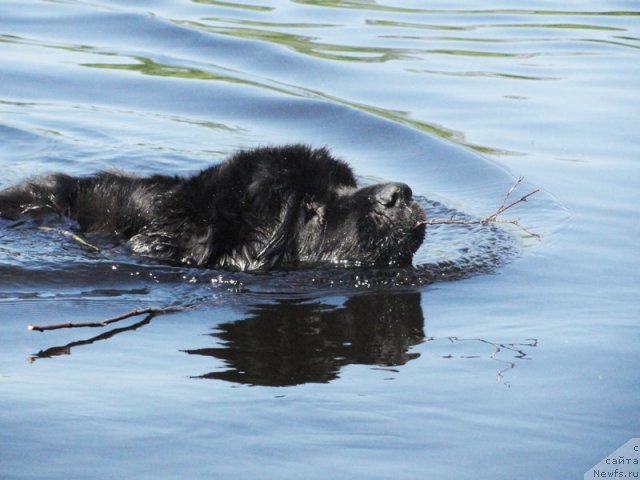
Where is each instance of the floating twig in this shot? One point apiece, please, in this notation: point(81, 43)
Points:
point(66, 349)
point(152, 311)
point(67, 233)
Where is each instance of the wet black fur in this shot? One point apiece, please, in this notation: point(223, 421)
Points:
point(276, 207)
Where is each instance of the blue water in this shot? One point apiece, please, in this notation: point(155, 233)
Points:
point(499, 356)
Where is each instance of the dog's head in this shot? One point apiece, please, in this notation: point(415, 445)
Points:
point(300, 206)
point(377, 225)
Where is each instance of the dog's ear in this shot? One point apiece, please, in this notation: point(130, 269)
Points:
point(270, 242)
point(200, 247)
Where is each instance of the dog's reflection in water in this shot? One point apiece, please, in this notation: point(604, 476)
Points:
point(295, 341)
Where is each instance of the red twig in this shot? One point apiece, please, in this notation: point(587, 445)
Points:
point(104, 323)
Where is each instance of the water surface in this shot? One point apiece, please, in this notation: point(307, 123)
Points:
point(499, 355)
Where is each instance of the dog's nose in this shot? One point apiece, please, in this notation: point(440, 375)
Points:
point(394, 194)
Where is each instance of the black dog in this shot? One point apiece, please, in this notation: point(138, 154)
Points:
point(278, 207)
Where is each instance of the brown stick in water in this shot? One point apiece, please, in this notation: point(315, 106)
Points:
point(104, 323)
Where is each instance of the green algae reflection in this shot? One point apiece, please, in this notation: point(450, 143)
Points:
point(147, 66)
point(303, 44)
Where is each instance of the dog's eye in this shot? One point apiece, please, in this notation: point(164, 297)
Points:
point(309, 213)
point(311, 210)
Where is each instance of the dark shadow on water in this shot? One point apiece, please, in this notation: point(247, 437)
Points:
point(291, 342)
point(294, 340)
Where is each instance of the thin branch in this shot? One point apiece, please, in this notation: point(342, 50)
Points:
point(519, 225)
point(67, 233)
point(493, 218)
point(510, 191)
point(66, 349)
point(514, 203)
point(103, 323)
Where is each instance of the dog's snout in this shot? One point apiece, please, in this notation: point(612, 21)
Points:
point(394, 194)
